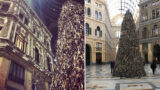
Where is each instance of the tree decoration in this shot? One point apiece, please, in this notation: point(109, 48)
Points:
point(129, 62)
point(69, 65)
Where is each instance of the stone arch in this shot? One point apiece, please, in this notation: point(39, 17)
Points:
point(156, 52)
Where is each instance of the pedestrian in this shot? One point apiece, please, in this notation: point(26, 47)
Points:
point(112, 66)
point(153, 66)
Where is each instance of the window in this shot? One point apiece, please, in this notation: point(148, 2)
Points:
point(157, 12)
point(49, 85)
point(33, 87)
point(49, 63)
point(144, 33)
point(98, 46)
point(1, 28)
point(36, 55)
point(21, 16)
point(100, 5)
point(155, 30)
point(26, 21)
point(16, 73)
point(45, 37)
point(96, 14)
point(38, 34)
point(144, 17)
point(47, 44)
point(145, 46)
point(153, 3)
point(96, 4)
point(34, 30)
point(153, 14)
point(88, 11)
point(98, 32)
point(118, 34)
point(20, 42)
point(5, 7)
point(89, 1)
point(88, 29)
point(100, 16)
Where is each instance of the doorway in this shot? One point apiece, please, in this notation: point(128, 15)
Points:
point(98, 58)
point(88, 54)
point(146, 58)
point(156, 52)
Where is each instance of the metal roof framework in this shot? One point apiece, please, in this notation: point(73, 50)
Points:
point(121, 6)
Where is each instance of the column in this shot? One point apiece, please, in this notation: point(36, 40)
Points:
point(140, 48)
point(4, 69)
point(93, 52)
point(103, 53)
point(28, 80)
point(47, 86)
point(150, 54)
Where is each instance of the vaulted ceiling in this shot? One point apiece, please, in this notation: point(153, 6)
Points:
point(117, 8)
point(49, 11)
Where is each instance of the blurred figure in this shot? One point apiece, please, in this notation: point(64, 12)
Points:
point(112, 66)
point(153, 66)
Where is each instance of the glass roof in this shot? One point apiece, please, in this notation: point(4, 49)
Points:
point(117, 8)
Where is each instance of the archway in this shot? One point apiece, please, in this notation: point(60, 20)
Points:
point(156, 52)
point(146, 57)
point(88, 54)
point(98, 58)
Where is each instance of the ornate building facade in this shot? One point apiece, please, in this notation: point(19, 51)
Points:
point(99, 44)
point(149, 32)
point(26, 59)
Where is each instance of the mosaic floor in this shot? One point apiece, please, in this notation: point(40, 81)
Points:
point(98, 77)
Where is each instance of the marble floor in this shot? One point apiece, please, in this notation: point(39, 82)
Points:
point(98, 77)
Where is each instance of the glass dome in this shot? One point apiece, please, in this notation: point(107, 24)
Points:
point(117, 8)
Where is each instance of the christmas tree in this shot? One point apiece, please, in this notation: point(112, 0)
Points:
point(69, 66)
point(129, 62)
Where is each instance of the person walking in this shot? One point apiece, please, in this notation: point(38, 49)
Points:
point(112, 66)
point(153, 66)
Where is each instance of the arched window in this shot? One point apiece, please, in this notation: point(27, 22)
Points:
point(157, 12)
point(118, 34)
point(87, 28)
point(49, 63)
point(155, 30)
point(98, 32)
point(144, 33)
point(96, 14)
point(36, 55)
point(153, 14)
point(5, 7)
point(20, 42)
point(88, 11)
point(100, 15)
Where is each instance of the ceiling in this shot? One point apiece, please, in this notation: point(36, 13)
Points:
point(117, 9)
point(49, 11)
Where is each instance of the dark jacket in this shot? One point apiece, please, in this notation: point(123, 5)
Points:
point(112, 64)
point(153, 65)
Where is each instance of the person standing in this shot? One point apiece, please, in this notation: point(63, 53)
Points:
point(153, 66)
point(112, 66)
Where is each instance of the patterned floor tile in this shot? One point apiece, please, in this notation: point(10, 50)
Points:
point(100, 78)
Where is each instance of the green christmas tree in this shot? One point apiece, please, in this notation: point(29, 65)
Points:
point(129, 62)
